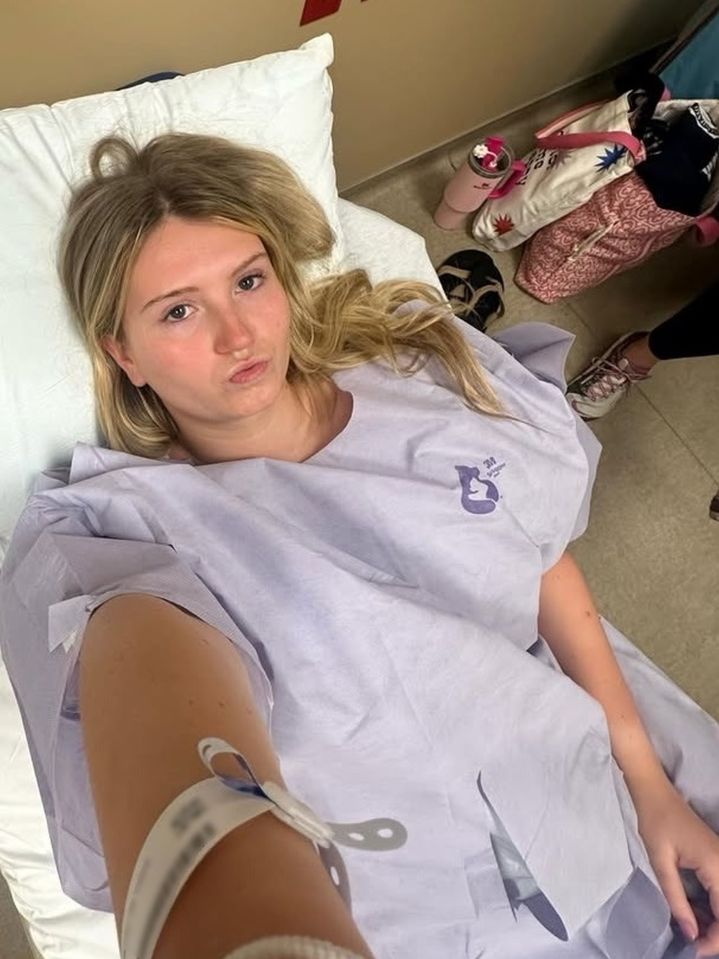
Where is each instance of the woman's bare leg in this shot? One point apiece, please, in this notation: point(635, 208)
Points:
point(154, 680)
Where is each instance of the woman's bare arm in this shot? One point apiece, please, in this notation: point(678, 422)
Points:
point(154, 680)
point(673, 834)
point(570, 624)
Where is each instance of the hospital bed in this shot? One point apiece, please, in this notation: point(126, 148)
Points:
point(281, 103)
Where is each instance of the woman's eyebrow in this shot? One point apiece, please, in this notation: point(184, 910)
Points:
point(193, 289)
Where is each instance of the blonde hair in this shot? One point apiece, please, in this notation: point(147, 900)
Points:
point(337, 322)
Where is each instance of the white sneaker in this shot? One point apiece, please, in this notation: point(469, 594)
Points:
point(597, 390)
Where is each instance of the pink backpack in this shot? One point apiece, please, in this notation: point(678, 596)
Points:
point(617, 228)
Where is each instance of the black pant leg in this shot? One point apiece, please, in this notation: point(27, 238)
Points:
point(693, 331)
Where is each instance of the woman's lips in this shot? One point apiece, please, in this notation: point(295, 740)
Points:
point(250, 373)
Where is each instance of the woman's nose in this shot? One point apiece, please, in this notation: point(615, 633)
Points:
point(233, 332)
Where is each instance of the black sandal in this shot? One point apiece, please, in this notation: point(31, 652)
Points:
point(474, 287)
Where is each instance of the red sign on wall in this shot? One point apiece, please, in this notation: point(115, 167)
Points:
point(316, 9)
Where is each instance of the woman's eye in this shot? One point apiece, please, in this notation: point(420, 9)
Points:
point(247, 283)
point(174, 313)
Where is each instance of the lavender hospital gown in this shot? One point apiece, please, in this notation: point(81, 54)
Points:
point(384, 596)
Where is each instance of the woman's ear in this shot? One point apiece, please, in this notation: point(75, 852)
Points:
point(119, 353)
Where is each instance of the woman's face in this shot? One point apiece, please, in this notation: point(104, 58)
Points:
point(203, 304)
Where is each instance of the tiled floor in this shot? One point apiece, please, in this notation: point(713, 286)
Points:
point(651, 553)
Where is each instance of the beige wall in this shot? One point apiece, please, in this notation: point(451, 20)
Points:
point(408, 74)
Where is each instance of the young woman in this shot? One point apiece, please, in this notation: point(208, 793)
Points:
point(329, 530)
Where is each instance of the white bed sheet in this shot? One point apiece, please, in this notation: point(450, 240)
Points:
point(59, 928)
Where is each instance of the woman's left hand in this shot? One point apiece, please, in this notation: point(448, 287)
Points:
point(675, 837)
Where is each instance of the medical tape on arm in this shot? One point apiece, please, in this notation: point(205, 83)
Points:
point(192, 824)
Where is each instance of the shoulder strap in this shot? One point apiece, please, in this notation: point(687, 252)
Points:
point(572, 141)
point(551, 137)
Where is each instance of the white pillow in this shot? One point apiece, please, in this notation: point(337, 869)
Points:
point(281, 102)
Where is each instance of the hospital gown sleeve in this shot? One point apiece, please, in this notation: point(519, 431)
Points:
point(527, 361)
point(54, 575)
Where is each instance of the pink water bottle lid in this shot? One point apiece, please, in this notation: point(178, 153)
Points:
point(488, 152)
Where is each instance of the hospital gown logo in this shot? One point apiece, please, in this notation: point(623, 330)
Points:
point(479, 496)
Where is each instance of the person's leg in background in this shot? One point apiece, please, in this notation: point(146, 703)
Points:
point(691, 332)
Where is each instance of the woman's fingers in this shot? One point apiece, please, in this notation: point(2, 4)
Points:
point(667, 872)
point(709, 878)
point(714, 901)
point(708, 945)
